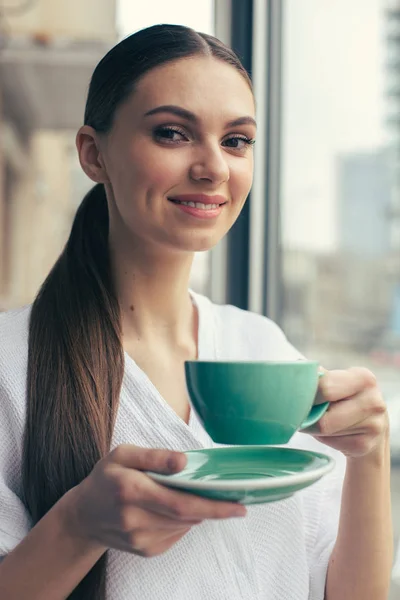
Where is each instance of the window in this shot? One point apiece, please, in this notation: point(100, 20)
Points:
point(340, 201)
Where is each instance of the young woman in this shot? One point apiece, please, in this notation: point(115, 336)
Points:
point(92, 387)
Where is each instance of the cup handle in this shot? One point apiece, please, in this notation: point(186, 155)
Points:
point(316, 412)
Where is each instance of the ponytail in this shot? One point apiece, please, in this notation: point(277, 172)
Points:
point(75, 370)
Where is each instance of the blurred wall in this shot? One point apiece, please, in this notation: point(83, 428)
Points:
point(90, 19)
point(47, 55)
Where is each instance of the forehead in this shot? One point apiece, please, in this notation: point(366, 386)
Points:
point(200, 84)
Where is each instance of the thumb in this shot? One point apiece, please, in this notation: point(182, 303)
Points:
point(319, 398)
point(148, 459)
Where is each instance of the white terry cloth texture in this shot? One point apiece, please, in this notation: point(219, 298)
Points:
point(279, 551)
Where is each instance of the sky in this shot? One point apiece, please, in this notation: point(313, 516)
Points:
point(333, 103)
point(333, 87)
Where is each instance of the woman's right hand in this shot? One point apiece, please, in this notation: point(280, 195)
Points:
point(119, 506)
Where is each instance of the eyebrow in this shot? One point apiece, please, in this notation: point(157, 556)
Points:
point(178, 111)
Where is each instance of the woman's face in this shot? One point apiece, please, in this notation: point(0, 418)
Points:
point(183, 136)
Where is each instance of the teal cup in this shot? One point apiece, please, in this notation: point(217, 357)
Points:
point(254, 403)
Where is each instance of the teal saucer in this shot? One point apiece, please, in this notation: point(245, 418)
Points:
point(248, 474)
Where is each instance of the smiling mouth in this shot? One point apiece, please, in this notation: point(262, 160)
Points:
point(199, 205)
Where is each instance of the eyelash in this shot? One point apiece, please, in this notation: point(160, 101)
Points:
point(160, 130)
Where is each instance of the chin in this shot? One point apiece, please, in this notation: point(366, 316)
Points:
point(194, 240)
point(201, 245)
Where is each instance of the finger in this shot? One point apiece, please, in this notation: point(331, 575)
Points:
point(168, 542)
point(360, 429)
point(148, 459)
point(138, 518)
point(339, 384)
point(319, 398)
point(154, 546)
point(142, 542)
point(137, 488)
point(186, 507)
point(372, 427)
point(348, 414)
point(350, 445)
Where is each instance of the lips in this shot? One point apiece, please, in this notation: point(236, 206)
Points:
point(199, 206)
point(203, 200)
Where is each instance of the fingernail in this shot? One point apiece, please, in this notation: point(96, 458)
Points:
point(240, 512)
point(175, 462)
point(172, 463)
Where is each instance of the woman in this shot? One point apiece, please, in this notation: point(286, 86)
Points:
point(168, 135)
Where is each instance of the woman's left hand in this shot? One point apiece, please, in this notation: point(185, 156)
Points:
point(356, 422)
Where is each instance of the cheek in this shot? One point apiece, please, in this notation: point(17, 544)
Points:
point(157, 169)
point(241, 179)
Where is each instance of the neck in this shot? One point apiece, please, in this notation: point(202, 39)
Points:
point(152, 289)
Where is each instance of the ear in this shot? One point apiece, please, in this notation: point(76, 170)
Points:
point(90, 158)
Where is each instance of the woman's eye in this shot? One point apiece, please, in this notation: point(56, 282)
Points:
point(169, 134)
point(238, 142)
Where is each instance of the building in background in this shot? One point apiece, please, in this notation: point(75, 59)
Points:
point(48, 51)
point(389, 345)
point(392, 94)
point(342, 300)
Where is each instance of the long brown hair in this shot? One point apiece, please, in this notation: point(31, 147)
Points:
point(76, 358)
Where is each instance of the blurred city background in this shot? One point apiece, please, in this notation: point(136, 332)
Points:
point(317, 247)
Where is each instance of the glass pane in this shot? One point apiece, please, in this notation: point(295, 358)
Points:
point(340, 194)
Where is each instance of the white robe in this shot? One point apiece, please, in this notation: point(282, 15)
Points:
point(279, 551)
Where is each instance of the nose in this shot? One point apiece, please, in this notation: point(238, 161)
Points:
point(210, 165)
